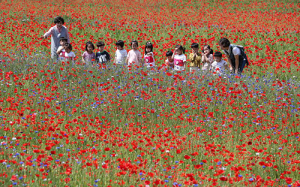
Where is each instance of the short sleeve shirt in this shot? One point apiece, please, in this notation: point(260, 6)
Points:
point(149, 60)
point(102, 57)
point(219, 66)
point(88, 57)
point(179, 60)
point(64, 56)
point(235, 50)
point(121, 56)
point(134, 56)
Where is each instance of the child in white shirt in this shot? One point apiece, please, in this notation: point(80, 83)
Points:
point(219, 65)
point(61, 48)
point(179, 58)
point(68, 55)
point(121, 53)
point(169, 62)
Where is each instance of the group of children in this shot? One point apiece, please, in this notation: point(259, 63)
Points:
point(176, 60)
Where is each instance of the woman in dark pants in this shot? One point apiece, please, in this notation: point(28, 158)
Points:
point(235, 55)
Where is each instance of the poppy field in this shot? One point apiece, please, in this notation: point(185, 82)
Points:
point(72, 125)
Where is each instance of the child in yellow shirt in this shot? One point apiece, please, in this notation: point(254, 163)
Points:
point(195, 58)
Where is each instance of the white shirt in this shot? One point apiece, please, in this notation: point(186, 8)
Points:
point(235, 50)
point(219, 67)
point(64, 56)
point(121, 56)
point(179, 61)
point(62, 53)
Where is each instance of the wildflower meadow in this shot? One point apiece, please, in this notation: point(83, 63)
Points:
point(64, 124)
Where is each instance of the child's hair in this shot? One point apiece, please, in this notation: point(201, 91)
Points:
point(148, 45)
point(195, 45)
point(208, 47)
point(180, 48)
point(218, 54)
point(89, 43)
point(224, 42)
point(68, 46)
point(134, 41)
point(99, 44)
point(120, 43)
point(63, 39)
point(169, 53)
point(59, 19)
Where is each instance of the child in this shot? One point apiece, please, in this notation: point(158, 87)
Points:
point(195, 58)
point(61, 48)
point(148, 56)
point(219, 65)
point(68, 54)
point(62, 41)
point(169, 62)
point(56, 33)
point(207, 57)
point(102, 56)
point(89, 56)
point(179, 58)
point(134, 56)
point(121, 54)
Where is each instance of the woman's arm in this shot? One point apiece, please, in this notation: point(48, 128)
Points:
point(48, 33)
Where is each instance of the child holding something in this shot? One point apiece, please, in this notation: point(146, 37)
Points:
point(56, 33)
point(88, 57)
point(169, 62)
point(134, 56)
point(102, 56)
point(61, 48)
point(179, 58)
point(219, 65)
point(121, 53)
point(68, 54)
point(195, 58)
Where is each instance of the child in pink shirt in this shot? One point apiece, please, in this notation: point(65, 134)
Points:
point(134, 56)
point(88, 57)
